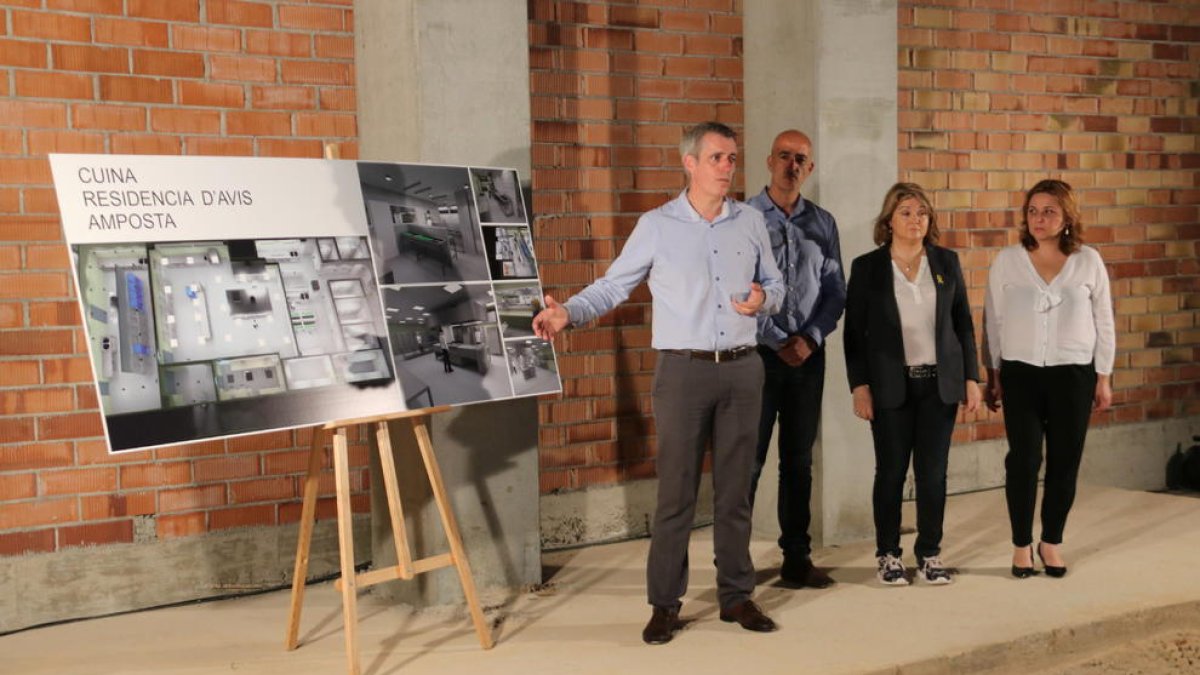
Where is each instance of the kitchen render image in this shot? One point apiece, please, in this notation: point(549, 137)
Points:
point(498, 194)
point(531, 364)
point(423, 223)
point(516, 304)
point(446, 344)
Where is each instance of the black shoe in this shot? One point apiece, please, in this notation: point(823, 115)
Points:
point(749, 616)
point(799, 572)
point(931, 570)
point(1051, 570)
point(661, 627)
point(1025, 572)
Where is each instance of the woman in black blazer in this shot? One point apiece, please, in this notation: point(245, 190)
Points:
point(911, 360)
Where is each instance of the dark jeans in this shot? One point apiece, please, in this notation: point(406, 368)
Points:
point(793, 396)
point(698, 405)
point(919, 429)
point(1053, 403)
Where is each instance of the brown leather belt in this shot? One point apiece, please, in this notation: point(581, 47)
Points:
point(726, 355)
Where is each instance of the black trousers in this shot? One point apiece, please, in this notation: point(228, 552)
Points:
point(919, 430)
point(698, 405)
point(793, 396)
point(1054, 404)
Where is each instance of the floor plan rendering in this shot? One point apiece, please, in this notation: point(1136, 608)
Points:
point(196, 339)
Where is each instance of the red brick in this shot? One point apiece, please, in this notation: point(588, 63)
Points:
point(211, 95)
point(20, 543)
point(185, 525)
point(42, 142)
point(242, 516)
point(145, 144)
point(278, 43)
point(325, 124)
point(264, 490)
point(240, 13)
point(171, 64)
point(309, 72)
point(219, 146)
point(102, 507)
point(87, 6)
point(314, 18)
point(283, 98)
point(197, 498)
point(108, 117)
point(37, 84)
point(32, 114)
point(135, 89)
point(279, 147)
point(15, 430)
point(78, 481)
point(51, 26)
point(242, 68)
point(205, 39)
point(79, 425)
point(258, 123)
point(23, 54)
point(175, 10)
point(96, 534)
point(334, 46)
point(18, 373)
point(16, 515)
point(91, 59)
point(226, 468)
point(132, 33)
point(151, 475)
point(185, 121)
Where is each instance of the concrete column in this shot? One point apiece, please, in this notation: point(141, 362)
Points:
point(447, 82)
point(827, 67)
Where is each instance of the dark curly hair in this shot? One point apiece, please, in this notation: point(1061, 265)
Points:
point(1071, 237)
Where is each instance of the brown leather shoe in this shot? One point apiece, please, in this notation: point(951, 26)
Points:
point(661, 627)
point(749, 616)
point(800, 573)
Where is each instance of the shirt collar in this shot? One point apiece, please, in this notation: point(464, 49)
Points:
point(685, 211)
point(764, 199)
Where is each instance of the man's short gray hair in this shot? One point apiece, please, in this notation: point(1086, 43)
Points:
point(690, 143)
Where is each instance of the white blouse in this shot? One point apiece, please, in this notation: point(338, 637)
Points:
point(1068, 321)
point(917, 302)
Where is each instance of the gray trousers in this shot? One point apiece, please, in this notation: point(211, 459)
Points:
point(698, 404)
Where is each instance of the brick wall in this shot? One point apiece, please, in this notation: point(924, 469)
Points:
point(613, 86)
point(218, 77)
point(997, 94)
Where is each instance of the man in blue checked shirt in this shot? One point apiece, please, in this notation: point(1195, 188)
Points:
point(711, 273)
point(804, 239)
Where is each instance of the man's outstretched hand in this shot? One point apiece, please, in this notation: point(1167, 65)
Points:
point(550, 320)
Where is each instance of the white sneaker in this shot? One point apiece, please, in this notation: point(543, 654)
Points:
point(891, 571)
point(931, 571)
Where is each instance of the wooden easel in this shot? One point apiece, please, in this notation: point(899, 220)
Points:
point(406, 568)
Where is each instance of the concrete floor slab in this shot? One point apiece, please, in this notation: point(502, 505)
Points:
point(1131, 555)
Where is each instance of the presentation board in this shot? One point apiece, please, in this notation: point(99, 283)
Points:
point(223, 296)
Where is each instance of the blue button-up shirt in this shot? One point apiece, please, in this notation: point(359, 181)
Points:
point(809, 255)
point(695, 269)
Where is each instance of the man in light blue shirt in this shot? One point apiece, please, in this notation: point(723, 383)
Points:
point(804, 239)
point(711, 273)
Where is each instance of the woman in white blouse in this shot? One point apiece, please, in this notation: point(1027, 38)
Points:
point(911, 360)
point(1049, 323)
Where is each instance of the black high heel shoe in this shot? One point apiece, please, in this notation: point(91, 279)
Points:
point(1051, 570)
point(1025, 572)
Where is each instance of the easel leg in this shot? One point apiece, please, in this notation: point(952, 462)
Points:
point(421, 431)
point(387, 466)
point(304, 542)
point(341, 469)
